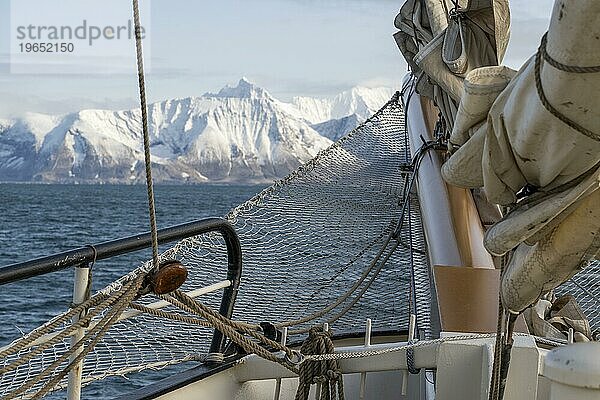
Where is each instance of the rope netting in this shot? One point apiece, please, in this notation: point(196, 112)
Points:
point(585, 286)
point(309, 243)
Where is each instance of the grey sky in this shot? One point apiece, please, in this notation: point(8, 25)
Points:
point(291, 47)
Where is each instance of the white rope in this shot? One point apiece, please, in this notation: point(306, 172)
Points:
point(371, 353)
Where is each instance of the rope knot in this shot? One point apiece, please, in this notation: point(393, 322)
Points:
point(326, 373)
point(333, 375)
point(317, 332)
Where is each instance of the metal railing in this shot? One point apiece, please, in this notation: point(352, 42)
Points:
point(82, 258)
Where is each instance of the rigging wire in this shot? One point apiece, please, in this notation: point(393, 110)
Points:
point(147, 158)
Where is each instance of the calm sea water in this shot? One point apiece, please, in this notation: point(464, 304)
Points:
point(39, 220)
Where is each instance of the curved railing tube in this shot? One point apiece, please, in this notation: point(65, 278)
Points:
point(85, 255)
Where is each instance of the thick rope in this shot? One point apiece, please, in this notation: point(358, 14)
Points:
point(95, 334)
point(210, 314)
point(327, 373)
point(185, 305)
point(147, 157)
point(231, 329)
point(26, 341)
point(503, 344)
point(121, 301)
point(108, 302)
point(171, 316)
point(564, 67)
point(539, 58)
point(410, 358)
point(495, 378)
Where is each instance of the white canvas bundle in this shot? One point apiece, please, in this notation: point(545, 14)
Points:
point(519, 142)
point(441, 49)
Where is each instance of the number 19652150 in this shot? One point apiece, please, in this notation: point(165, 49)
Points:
point(46, 47)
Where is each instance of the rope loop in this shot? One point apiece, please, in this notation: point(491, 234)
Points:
point(215, 358)
point(93, 262)
point(295, 358)
point(542, 55)
point(576, 69)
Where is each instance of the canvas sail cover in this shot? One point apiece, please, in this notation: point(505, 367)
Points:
point(531, 139)
point(443, 40)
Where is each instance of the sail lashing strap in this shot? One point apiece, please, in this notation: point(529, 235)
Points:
point(542, 55)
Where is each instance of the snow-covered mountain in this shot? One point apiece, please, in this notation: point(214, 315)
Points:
point(240, 134)
point(336, 128)
point(359, 100)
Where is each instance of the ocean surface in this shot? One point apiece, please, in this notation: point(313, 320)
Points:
point(40, 220)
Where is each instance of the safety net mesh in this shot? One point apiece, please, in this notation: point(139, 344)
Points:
point(585, 286)
point(307, 241)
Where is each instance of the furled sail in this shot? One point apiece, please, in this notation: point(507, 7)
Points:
point(443, 40)
point(531, 139)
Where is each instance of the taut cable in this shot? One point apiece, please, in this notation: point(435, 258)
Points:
point(147, 159)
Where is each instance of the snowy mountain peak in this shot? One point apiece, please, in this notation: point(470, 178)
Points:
point(244, 90)
point(240, 134)
point(359, 100)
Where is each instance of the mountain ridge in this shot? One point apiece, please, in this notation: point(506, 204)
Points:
point(240, 134)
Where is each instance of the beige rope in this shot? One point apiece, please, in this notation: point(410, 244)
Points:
point(576, 69)
point(232, 330)
point(96, 333)
point(171, 316)
point(108, 302)
point(24, 342)
point(347, 355)
point(146, 136)
point(122, 300)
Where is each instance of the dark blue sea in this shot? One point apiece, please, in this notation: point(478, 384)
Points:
point(39, 220)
